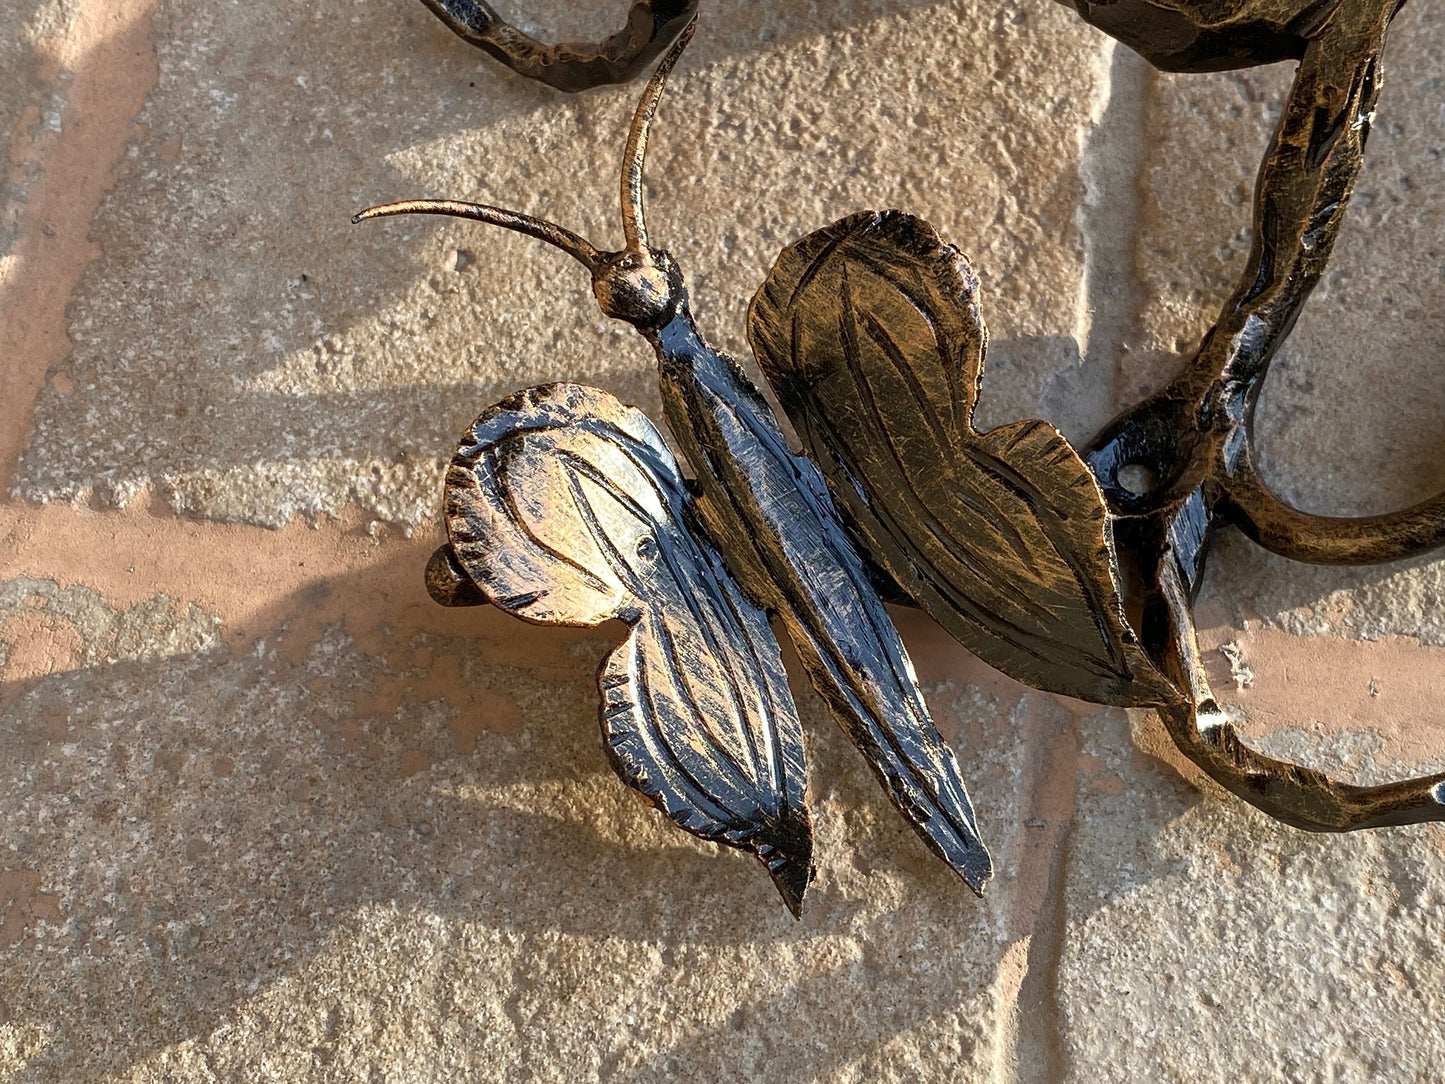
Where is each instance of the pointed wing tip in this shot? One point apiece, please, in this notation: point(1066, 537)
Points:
point(978, 879)
point(974, 866)
point(792, 875)
point(787, 853)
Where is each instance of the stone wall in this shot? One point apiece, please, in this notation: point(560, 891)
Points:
point(266, 812)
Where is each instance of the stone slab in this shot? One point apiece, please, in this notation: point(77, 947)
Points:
point(267, 813)
point(243, 352)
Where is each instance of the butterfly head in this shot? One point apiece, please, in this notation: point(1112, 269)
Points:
point(644, 288)
point(640, 284)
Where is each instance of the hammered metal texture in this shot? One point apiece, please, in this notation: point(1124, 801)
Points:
point(567, 508)
point(870, 333)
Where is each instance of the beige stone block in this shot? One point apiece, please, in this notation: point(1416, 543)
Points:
point(244, 352)
point(1209, 943)
point(346, 834)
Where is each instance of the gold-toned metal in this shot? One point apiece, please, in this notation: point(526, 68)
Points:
point(1195, 436)
point(1299, 796)
point(763, 508)
point(651, 26)
point(565, 507)
point(871, 335)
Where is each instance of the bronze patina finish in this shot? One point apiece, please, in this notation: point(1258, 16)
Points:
point(559, 539)
point(565, 507)
point(651, 27)
point(879, 378)
point(1216, 35)
point(1194, 437)
point(870, 333)
point(1173, 35)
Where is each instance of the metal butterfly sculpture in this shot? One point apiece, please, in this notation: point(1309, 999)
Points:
point(564, 506)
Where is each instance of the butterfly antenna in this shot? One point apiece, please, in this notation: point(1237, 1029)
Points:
point(634, 226)
point(578, 248)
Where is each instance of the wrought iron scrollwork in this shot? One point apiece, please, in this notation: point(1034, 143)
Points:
point(563, 506)
point(651, 26)
point(1195, 436)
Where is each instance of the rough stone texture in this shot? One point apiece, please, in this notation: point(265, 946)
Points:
point(267, 813)
point(1217, 945)
point(304, 364)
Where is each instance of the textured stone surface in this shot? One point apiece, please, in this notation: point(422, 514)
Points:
point(1218, 945)
point(365, 848)
point(266, 813)
point(305, 364)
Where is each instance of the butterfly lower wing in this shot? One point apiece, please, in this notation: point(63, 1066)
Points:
point(566, 507)
point(653, 701)
point(870, 333)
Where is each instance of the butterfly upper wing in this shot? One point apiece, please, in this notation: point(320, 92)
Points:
point(566, 507)
point(870, 333)
point(769, 511)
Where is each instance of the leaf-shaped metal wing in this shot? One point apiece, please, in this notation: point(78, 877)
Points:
point(566, 507)
point(870, 333)
point(769, 511)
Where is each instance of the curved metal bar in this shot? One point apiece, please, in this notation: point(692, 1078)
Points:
point(1329, 540)
point(634, 156)
point(1197, 424)
point(579, 248)
point(1299, 796)
point(1196, 435)
point(570, 66)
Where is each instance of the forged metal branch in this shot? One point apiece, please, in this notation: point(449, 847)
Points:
point(651, 27)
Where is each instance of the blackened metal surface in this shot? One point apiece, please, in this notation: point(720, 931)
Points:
point(870, 332)
point(766, 510)
point(1210, 35)
point(566, 508)
point(770, 512)
point(651, 27)
point(1196, 435)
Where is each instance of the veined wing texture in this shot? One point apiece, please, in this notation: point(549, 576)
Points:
point(770, 513)
point(870, 333)
point(566, 507)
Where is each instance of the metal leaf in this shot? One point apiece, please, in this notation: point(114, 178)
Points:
point(567, 508)
point(870, 333)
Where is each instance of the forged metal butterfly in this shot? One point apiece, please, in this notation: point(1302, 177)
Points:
point(545, 534)
point(565, 507)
